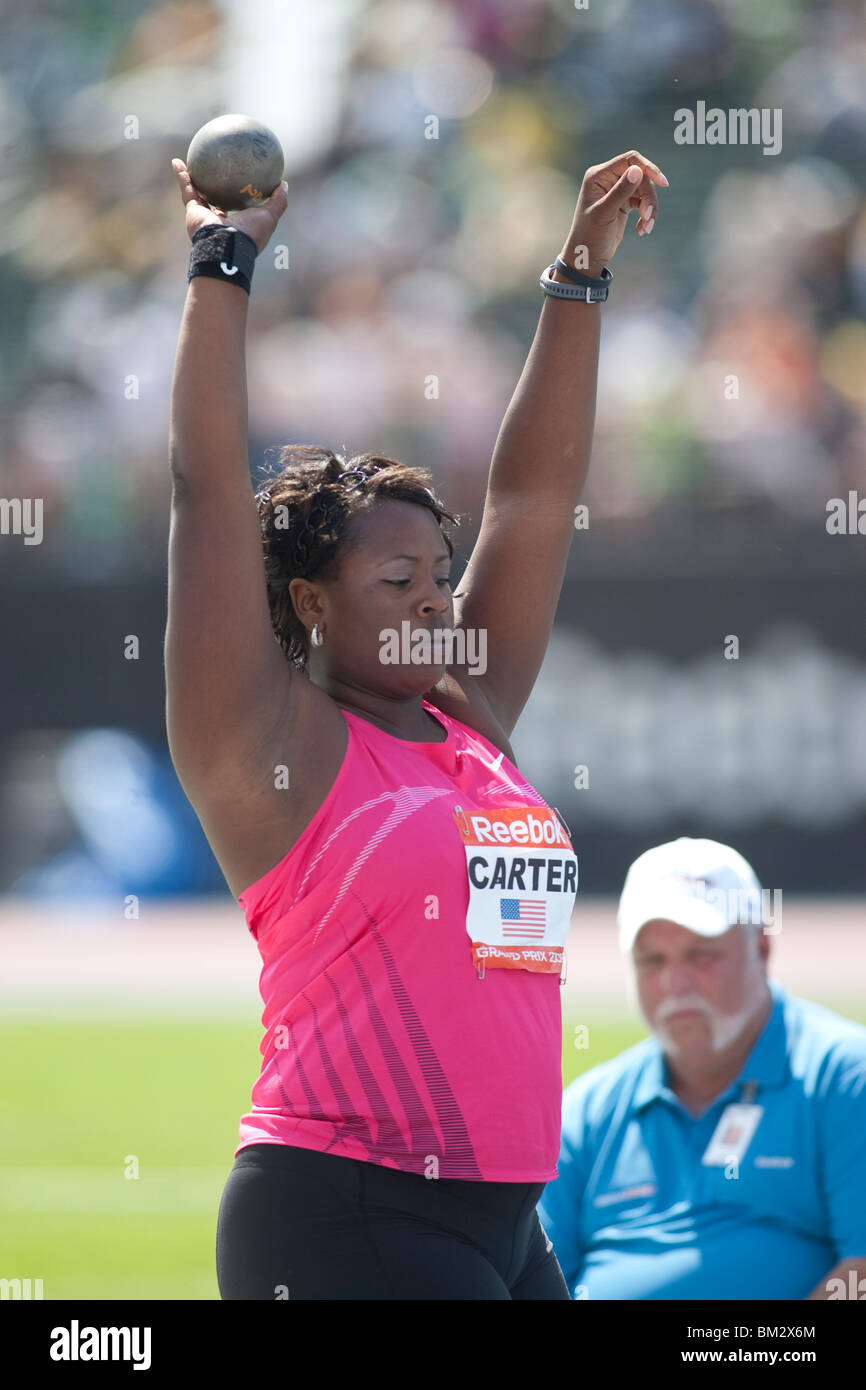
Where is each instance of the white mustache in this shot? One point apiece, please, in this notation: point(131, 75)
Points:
point(673, 1006)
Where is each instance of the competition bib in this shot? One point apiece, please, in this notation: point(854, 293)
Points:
point(522, 873)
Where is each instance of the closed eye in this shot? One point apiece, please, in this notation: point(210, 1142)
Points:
point(401, 582)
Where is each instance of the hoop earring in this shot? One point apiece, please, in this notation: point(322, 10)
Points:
point(316, 637)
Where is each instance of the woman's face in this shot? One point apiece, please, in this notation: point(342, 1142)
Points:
point(395, 571)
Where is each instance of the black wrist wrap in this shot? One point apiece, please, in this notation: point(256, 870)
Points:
point(223, 252)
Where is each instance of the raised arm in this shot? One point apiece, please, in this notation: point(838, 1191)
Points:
point(513, 580)
point(227, 679)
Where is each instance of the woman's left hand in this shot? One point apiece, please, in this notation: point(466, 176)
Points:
point(607, 195)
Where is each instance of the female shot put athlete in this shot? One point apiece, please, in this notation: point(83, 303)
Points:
point(408, 890)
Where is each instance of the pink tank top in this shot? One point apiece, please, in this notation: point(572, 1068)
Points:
point(412, 943)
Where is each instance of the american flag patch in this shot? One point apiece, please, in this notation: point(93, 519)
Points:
point(524, 917)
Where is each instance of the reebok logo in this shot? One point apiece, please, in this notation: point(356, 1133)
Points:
point(518, 829)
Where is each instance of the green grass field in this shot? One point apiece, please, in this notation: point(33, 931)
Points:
point(84, 1102)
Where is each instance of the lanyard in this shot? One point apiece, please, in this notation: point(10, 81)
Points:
point(749, 1091)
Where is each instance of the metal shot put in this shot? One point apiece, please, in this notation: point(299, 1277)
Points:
point(235, 162)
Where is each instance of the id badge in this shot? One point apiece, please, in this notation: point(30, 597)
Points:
point(522, 873)
point(733, 1135)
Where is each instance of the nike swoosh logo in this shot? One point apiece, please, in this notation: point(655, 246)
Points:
point(495, 765)
point(229, 270)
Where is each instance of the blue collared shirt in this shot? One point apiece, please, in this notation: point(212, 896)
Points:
point(634, 1214)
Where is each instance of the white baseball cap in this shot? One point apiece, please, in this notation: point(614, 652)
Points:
point(699, 884)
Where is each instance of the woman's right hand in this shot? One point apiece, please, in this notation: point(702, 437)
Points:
point(258, 223)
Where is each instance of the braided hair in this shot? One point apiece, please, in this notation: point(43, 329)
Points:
point(304, 514)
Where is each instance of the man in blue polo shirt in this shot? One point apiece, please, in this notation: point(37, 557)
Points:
point(725, 1156)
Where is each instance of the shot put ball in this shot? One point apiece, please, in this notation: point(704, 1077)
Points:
point(235, 162)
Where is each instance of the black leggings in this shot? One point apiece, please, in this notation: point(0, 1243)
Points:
point(298, 1224)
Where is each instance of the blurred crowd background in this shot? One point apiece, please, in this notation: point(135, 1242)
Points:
point(411, 256)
